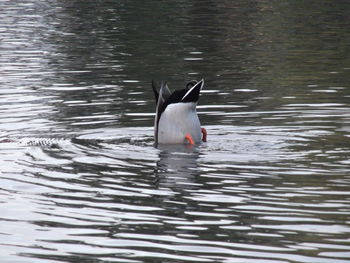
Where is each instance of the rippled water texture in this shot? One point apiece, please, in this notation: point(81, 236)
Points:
point(81, 180)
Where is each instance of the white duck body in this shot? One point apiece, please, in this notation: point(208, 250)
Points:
point(176, 116)
point(177, 121)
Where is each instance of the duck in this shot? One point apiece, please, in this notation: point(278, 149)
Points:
point(176, 120)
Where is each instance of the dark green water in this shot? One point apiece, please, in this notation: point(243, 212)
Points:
point(80, 178)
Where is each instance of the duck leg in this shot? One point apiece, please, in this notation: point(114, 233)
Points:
point(204, 132)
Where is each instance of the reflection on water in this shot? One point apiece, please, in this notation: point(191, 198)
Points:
point(81, 180)
point(177, 166)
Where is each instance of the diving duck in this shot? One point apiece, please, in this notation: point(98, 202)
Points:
point(176, 120)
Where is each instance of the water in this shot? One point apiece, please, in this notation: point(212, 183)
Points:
point(81, 180)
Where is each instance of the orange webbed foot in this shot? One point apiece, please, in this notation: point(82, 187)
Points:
point(189, 138)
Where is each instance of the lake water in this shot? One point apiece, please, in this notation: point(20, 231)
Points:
point(80, 177)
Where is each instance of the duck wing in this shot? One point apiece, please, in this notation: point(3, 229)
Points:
point(161, 97)
point(192, 92)
point(155, 90)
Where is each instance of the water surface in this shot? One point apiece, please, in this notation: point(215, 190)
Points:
point(81, 179)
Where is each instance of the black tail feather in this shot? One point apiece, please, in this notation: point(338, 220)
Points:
point(155, 90)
